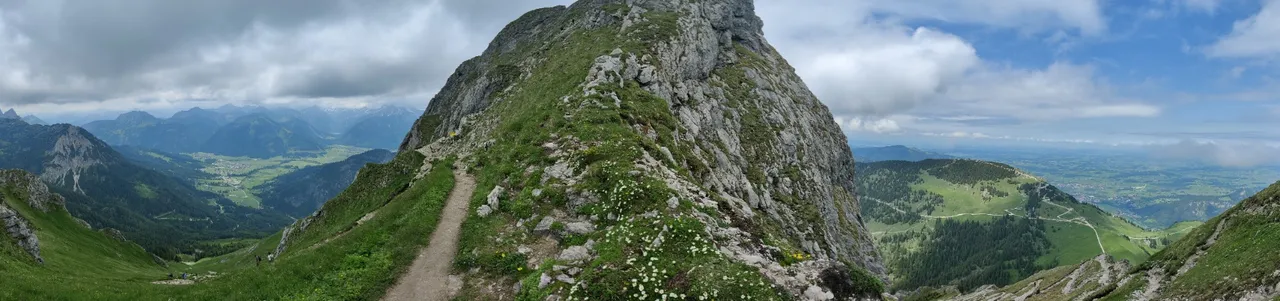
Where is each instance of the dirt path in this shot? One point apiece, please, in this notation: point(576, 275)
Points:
point(428, 277)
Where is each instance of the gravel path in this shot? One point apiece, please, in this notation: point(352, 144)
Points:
point(428, 277)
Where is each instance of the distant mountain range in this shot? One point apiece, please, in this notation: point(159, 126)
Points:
point(380, 129)
point(32, 119)
point(895, 153)
point(10, 114)
point(302, 192)
point(107, 190)
point(260, 136)
point(258, 132)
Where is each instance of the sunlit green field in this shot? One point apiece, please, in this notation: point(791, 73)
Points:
point(236, 178)
point(1075, 232)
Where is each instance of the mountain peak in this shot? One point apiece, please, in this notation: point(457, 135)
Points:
point(75, 152)
point(10, 114)
point(137, 117)
point(685, 99)
point(32, 119)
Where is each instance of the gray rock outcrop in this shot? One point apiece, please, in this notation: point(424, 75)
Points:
point(20, 231)
point(35, 194)
point(746, 140)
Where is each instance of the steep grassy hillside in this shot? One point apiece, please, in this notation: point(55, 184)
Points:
point(78, 263)
point(1231, 257)
point(938, 220)
point(352, 249)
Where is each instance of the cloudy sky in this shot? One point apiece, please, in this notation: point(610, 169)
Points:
point(1100, 72)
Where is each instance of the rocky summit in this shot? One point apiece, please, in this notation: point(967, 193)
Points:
point(648, 121)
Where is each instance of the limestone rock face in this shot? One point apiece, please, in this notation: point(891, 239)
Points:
point(35, 194)
point(18, 229)
point(72, 155)
point(745, 138)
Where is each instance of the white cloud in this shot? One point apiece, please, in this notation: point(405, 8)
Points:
point(1061, 91)
point(880, 125)
point(871, 67)
point(1224, 154)
point(62, 56)
point(885, 72)
point(1255, 37)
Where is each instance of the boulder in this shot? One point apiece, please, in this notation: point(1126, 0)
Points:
point(575, 253)
point(494, 195)
point(545, 224)
point(580, 227)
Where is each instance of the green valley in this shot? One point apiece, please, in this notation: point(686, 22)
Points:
point(911, 206)
point(238, 178)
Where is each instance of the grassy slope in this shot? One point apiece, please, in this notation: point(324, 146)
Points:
point(1072, 243)
point(529, 115)
point(360, 264)
point(1243, 257)
point(79, 263)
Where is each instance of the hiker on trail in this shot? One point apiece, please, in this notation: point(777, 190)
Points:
point(184, 275)
point(259, 259)
point(170, 275)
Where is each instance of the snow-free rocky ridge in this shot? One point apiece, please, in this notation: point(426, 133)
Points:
point(637, 118)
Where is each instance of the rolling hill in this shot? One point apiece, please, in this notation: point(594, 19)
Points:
point(259, 136)
point(66, 248)
point(141, 129)
point(1231, 257)
point(936, 222)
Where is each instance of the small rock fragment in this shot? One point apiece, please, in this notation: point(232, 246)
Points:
point(543, 281)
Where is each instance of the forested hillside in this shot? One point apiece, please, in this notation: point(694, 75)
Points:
point(163, 214)
point(938, 221)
